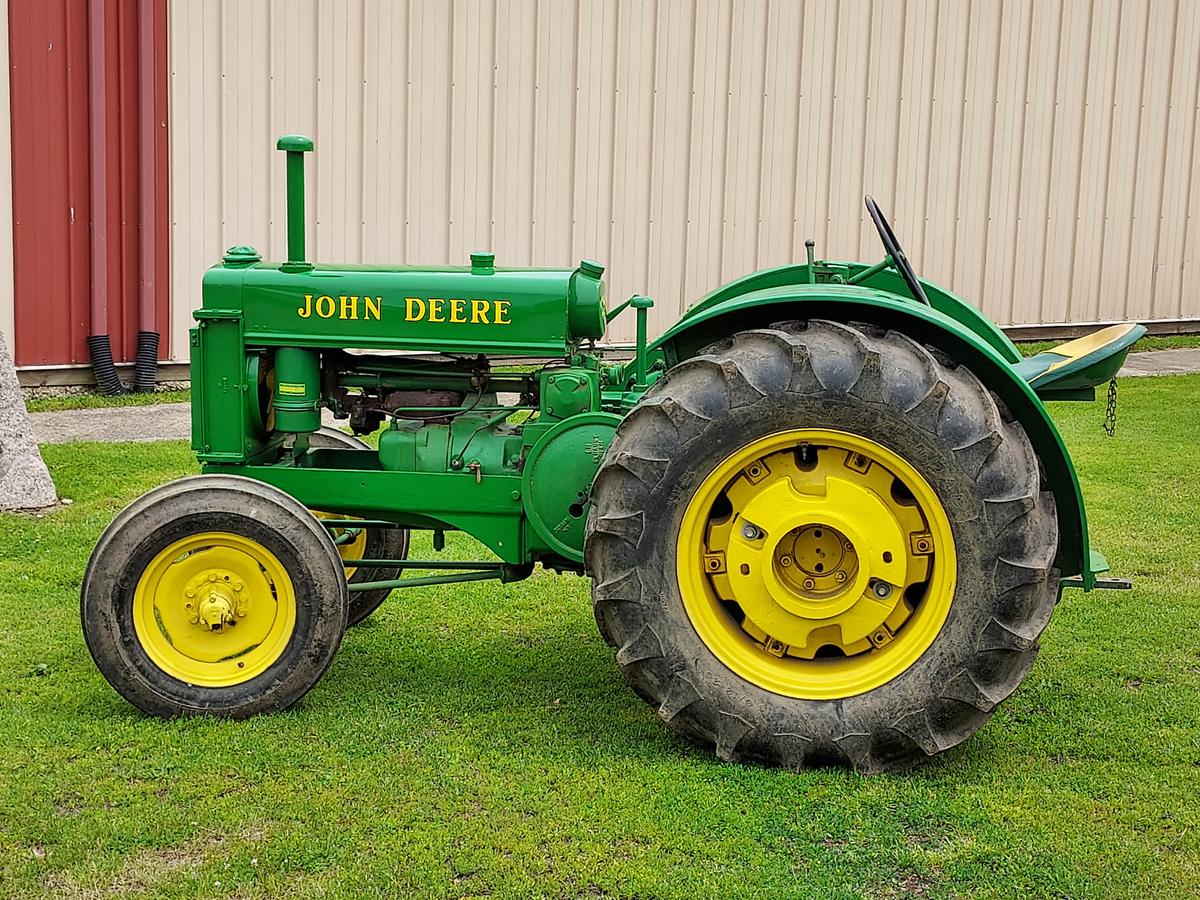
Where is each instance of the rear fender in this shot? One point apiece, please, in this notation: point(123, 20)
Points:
point(960, 340)
point(887, 280)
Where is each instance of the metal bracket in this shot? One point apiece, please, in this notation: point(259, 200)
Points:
point(1099, 584)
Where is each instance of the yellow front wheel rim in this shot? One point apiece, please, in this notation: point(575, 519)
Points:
point(214, 609)
point(816, 564)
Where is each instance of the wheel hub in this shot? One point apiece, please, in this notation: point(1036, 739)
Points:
point(817, 547)
point(807, 576)
point(815, 561)
point(215, 599)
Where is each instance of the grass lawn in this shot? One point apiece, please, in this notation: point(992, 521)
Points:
point(477, 739)
point(101, 401)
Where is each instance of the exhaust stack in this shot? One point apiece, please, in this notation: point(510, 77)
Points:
point(295, 145)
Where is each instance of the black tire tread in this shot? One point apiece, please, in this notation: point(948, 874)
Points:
point(886, 368)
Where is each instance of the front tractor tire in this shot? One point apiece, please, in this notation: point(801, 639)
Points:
point(214, 595)
point(821, 543)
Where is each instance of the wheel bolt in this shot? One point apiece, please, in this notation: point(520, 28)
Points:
point(809, 584)
point(883, 590)
point(237, 585)
point(839, 577)
point(190, 593)
point(785, 561)
point(212, 576)
point(195, 619)
point(750, 532)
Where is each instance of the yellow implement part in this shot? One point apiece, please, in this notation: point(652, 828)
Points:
point(1089, 343)
point(214, 609)
point(816, 564)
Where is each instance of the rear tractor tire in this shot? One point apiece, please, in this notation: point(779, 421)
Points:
point(821, 543)
point(214, 595)
point(367, 543)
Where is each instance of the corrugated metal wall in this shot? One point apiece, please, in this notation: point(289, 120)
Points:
point(1037, 156)
point(53, 217)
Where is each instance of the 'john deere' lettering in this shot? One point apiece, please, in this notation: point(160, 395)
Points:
point(457, 310)
point(437, 310)
point(344, 307)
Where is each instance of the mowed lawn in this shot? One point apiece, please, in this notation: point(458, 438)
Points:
point(477, 740)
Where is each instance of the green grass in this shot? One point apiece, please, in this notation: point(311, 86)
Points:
point(478, 740)
point(1150, 342)
point(100, 401)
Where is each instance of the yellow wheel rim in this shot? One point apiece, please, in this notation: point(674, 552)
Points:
point(351, 542)
point(214, 609)
point(816, 564)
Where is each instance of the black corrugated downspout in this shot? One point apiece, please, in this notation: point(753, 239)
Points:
point(102, 364)
point(145, 368)
point(99, 346)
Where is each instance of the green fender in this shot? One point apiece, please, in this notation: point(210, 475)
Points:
point(949, 324)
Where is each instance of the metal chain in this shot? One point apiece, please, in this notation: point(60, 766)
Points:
point(1110, 414)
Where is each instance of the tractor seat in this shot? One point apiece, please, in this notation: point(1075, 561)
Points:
point(1081, 364)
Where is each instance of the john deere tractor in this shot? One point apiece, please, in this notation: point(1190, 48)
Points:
point(826, 514)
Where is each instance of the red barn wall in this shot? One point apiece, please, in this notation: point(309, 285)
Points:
point(51, 195)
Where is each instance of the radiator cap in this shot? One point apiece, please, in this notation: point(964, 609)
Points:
point(241, 255)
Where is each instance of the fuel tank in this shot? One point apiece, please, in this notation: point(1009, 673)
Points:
point(480, 308)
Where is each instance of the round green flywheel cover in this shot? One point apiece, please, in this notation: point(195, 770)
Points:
point(558, 474)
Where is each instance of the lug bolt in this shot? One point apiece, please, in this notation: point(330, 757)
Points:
point(882, 589)
point(809, 584)
point(195, 619)
point(839, 577)
point(190, 593)
point(785, 561)
point(237, 585)
point(750, 532)
point(212, 576)
point(241, 612)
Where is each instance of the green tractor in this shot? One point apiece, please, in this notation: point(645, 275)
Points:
point(826, 514)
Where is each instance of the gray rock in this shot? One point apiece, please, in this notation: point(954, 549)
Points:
point(24, 479)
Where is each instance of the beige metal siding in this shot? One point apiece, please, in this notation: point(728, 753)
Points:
point(1039, 157)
